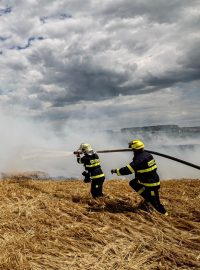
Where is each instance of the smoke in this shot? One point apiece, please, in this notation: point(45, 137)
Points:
point(31, 146)
point(183, 147)
point(35, 146)
point(180, 146)
point(25, 146)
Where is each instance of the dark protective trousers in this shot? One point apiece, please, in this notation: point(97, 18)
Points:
point(150, 194)
point(96, 185)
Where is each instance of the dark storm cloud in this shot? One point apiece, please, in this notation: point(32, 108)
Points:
point(190, 59)
point(171, 78)
point(85, 83)
point(85, 80)
point(82, 78)
point(98, 52)
point(155, 10)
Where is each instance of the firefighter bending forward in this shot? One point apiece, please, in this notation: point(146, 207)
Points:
point(93, 172)
point(146, 182)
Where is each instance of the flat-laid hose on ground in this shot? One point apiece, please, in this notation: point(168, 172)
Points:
point(156, 153)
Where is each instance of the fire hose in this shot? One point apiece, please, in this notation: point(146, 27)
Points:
point(152, 152)
point(155, 153)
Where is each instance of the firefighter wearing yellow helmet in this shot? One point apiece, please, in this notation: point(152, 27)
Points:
point(93, 172)
point(146, 182)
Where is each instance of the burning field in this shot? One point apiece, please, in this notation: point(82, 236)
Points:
point(46, 224)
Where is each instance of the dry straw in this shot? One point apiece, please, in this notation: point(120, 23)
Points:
point(57, 225)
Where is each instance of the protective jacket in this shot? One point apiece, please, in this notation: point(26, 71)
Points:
point(91, 163)
point(144, 167)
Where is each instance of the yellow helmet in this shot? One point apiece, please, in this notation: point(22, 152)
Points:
point(136, 144)
point(85, 147)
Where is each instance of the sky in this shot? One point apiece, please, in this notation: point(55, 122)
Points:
point(127, 62)
point(74, 66)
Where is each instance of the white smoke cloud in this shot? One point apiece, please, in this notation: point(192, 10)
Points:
point(33, 146)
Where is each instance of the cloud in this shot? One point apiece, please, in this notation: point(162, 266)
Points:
point(158, 11)
point(58, 57)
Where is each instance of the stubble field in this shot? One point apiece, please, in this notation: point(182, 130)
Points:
point(47, 224)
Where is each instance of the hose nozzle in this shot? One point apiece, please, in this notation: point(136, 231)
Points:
point(77, 152)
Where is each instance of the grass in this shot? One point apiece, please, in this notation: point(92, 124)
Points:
point(46, 224)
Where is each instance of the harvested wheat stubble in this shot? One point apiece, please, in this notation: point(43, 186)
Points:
point(57, 225)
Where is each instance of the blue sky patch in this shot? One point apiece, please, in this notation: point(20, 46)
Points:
point(18, 47)
point(5, 10)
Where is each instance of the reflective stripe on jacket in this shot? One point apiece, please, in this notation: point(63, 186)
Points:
point(144, 167)
point(92, 164)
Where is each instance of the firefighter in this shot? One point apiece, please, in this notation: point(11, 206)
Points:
point(146, 182)
point(93, 172)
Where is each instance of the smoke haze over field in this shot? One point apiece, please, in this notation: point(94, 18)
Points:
point(29, 146)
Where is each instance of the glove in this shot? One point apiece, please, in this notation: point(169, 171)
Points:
point(87, 180)
point(87, 177)
point(85, 173)
point(113, 171)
